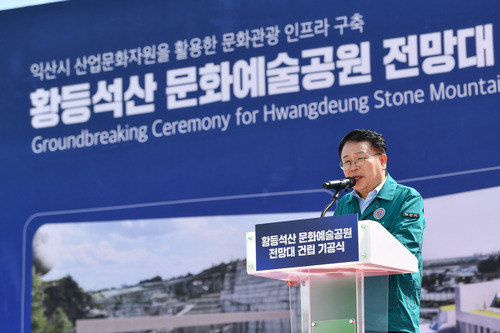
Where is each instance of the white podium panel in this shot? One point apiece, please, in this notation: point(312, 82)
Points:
point(344, 288)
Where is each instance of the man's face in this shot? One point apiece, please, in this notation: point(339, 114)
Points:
point(369, 175)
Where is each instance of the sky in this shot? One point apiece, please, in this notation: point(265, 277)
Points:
point(113, 254)
point(10, 4)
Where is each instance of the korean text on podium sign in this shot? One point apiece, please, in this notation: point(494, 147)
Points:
point(307, 242)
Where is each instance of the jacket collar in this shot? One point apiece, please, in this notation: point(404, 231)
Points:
point(386, 194)
point(388, 190)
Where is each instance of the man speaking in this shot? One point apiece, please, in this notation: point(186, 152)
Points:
point(400, 209)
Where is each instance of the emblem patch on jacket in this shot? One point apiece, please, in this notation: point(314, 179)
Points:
point(379, 213)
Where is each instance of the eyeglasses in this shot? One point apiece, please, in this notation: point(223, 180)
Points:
point(360, 161)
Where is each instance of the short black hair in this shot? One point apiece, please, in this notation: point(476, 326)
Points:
point(376, 140)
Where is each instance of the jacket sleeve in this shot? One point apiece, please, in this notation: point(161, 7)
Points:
point(410, 222)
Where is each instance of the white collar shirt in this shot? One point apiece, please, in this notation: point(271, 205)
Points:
point(364, 203)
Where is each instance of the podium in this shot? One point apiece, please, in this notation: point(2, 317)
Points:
point(337, 269)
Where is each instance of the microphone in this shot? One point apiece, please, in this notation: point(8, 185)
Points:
point(340, 184)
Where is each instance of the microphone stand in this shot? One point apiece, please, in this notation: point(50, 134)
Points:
point(334, 198)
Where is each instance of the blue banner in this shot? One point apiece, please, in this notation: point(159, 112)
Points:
point(124, 110)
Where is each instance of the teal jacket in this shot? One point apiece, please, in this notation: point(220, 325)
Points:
point(400, 209)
